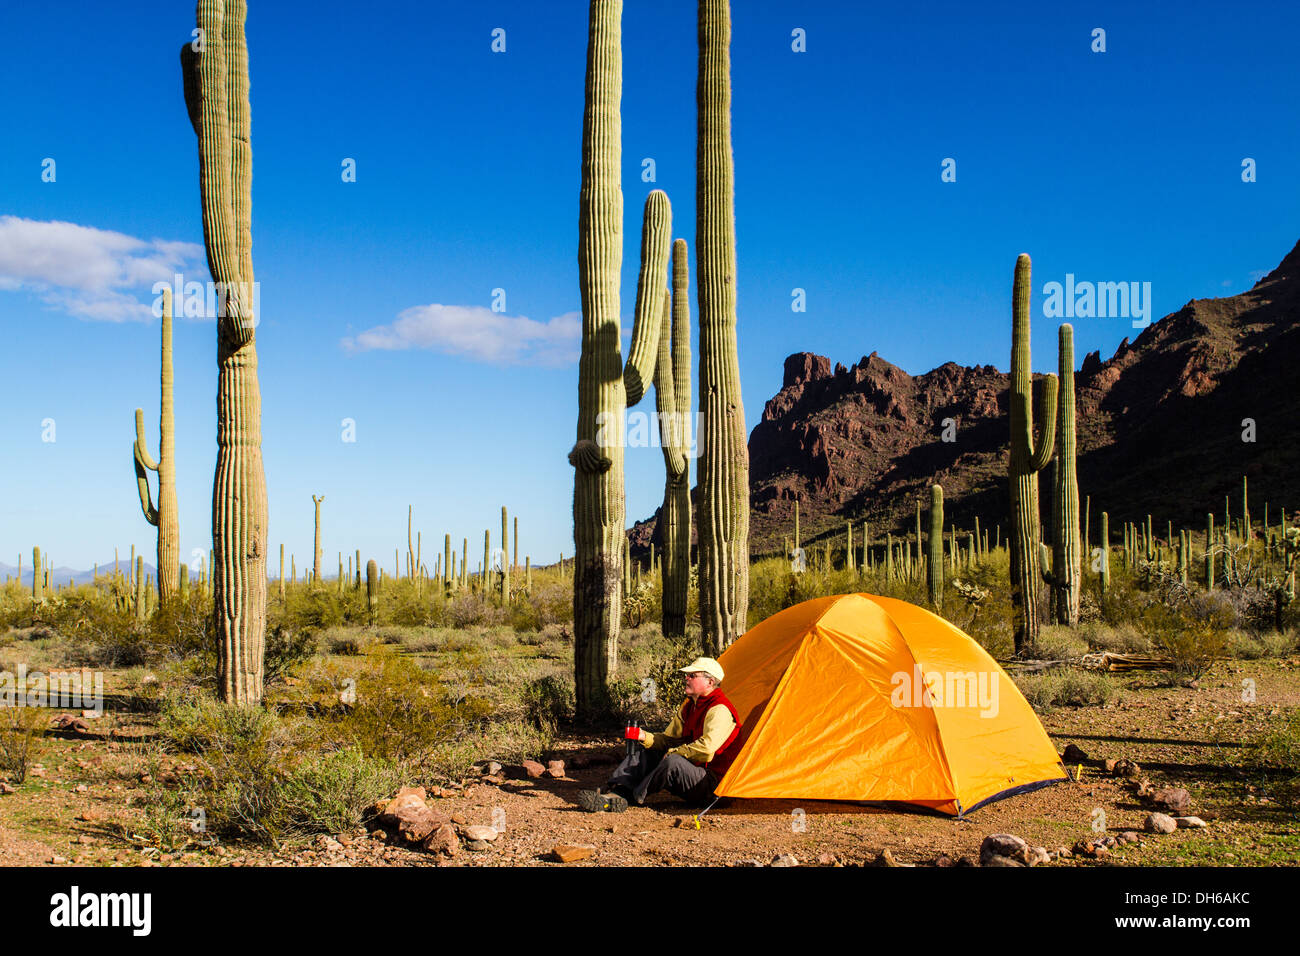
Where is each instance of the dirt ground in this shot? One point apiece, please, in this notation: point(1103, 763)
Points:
point(77, 808)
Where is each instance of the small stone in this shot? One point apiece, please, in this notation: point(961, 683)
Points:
point(784, 859)
point(1074, 754)
point(459, 819)
point(1004, 844)
point(88, 816)
point(483, 834)
point(491, 768)
point(1194, 823)
point(1129, 836)
point(555, 769)
point(58, 860)
point(533, 769)
point(478, 846)
point(1063, 852)
point(572, 852)
point(1171, 800)
point(826, 859)
point(1039, 855)
point(886, 858)
point(1159, 823)
point(443, 840)
point(7, 788)
point(1126, 768)
point(1110, 841)
point(407, 798)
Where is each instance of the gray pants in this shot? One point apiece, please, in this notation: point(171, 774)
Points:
point(649, 771)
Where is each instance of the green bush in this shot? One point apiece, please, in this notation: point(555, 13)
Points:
point(1065, 688)
point(548, 702)
point(22, 737)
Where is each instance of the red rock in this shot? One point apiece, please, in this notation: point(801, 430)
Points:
point(555, 768)
point(533, 769)
point(572, 852)
point(443, 840)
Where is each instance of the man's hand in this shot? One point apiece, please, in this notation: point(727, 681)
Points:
point(640, 735)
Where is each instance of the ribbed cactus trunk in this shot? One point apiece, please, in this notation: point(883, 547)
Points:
point(1066, 572)
point(372, 591)
point(598, 503)
point(1025, 462)
point(724, 462)
point(216, 88)
point(673, 403)
point(164, 516)
point(1104, 568)
point(934, 560)
point(38, 589)
point(505, 558)
point(315, 563)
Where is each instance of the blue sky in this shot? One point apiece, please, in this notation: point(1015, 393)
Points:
point(1115, 166)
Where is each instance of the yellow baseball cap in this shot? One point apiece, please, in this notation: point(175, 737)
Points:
point(705, 665)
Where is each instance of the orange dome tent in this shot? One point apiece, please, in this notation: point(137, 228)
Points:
point(858, 697)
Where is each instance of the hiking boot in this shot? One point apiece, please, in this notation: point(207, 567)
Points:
point(593, 801)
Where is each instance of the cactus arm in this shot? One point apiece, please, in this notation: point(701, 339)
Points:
point(670, 438)
point(656, 236)
point(1041, 454)
point(143, 465)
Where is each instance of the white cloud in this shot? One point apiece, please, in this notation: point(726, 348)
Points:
point(478, 333)
point(87, 272)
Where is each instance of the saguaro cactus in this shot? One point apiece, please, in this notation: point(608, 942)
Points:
point(38, 592)
point(1104, 569)
point(315, 563)
point(1066, 575)
point(163, 517)
point(934, 560)
point(724, 462)
point(1027, 459)
point(372, 590)
point(673, 403)
point(505, 558)
point(216, 94)
point(598, 503)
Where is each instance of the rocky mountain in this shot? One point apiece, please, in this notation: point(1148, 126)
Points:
point(1164, 427)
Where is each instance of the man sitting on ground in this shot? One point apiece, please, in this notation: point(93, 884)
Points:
point(688, 759)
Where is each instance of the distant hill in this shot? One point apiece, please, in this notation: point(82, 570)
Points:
point(62, 574)
point(1159, 427)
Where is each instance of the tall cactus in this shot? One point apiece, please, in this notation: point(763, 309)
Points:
point(505, 558)
point(656, 236)
point(163, 517)
point(1104, 569)
point(724, 463)
point(598, 503)
point(38, 591)
point(216, 95)
point(315, 563)
point(673, 403)
point(934, 560)
point(372, 591)
point(1027, 459)
point(1066, 573)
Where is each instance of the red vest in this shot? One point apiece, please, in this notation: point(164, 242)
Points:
point(693, 727)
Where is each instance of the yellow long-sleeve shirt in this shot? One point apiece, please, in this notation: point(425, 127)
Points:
point(718, 725)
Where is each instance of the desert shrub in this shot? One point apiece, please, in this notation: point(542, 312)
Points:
point(1277, 750)
point(1121, 638)
point(1056, 642)
point(1191, 643)
point(22, 736)
point(1065, 688)
point(548, 702)
point(403, 713)
point(285, 649)
point(1244, 645)
point(260, 776)
point(1279, 643)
